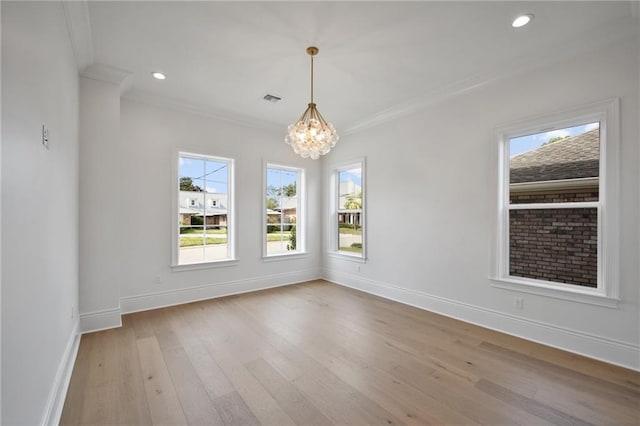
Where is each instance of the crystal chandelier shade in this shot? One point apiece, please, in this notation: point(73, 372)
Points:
point(311, 136)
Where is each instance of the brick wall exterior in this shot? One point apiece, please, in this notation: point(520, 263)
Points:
point(559, 245)
point(219, 219)
point(577, 196)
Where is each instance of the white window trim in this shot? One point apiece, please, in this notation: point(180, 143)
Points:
point(301, 222)
point(333, 205)
point(231, 231)
point(607, 293)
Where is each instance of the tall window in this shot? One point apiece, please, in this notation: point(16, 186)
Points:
point(284, 220)
point(350, 208)
point(204, 209)
point(558, 174)
point(554, 204)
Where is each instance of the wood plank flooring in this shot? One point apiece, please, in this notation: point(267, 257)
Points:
point(320, 354)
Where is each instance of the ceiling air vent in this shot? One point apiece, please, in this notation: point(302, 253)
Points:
point(271, 98)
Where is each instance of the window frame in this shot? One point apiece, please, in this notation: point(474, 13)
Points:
point(335, 203)
point(606, 293)
point(231, 231)
point(301, 222)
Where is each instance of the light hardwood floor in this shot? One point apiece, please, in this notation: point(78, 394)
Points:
point(320, 354)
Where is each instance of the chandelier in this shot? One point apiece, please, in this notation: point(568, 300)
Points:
point(311, 136)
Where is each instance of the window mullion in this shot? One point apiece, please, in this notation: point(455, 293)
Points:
point(280, 202)
point(204, 210)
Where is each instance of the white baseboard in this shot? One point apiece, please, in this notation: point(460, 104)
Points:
point(145, 302)
point(100, 320)
point(58, 393)
point(598, 347)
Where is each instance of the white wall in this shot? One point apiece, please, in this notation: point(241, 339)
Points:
point(149, 135)
point(40, 207)
point(100, 213)
point(432, 206)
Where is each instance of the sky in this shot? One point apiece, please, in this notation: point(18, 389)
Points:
point(278, 178)
point(213, 175)
point(527, 143)
point(208, 174)
point(353, 175)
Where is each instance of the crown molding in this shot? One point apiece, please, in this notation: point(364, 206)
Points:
point(79, 26)
point(146, 97)
point(417, 103)
point(616, 32)
point(109, 74)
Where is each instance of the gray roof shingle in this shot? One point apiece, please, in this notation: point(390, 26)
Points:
point(571, 158)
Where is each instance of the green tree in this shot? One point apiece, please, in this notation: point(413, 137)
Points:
point(556, 139)
point(273, 193)
point(272, 204)
point(284, 191)
point(289, 190)
point(292, 239)
point(186, 184)
point(353, 201)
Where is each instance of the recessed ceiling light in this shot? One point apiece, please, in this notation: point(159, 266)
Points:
point(522, 20)
point(158, 75)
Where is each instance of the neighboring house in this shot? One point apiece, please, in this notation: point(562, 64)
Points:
point(351, 218)
point(563, 171)
point(210, 207)
point(287, 208)
point(570, 165)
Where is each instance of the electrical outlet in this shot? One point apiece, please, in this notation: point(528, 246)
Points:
point(157, 279)
point(518, 302)
point(358, 268)
point(45, 136)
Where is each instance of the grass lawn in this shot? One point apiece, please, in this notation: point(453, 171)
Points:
point(184, 231)
point(351, 249)
point(276, 236)
point(197, 241)
point(351, 231)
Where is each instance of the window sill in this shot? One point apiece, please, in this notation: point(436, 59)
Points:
point(204, 265)
point(347, 256)
point(557, 291)
point(285, 256)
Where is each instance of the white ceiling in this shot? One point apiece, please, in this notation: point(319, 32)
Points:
point(376, 59)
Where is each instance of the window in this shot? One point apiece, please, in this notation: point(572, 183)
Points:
point(557, 175)
point(283, 231)
point(204, 210)
point(349, 213)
